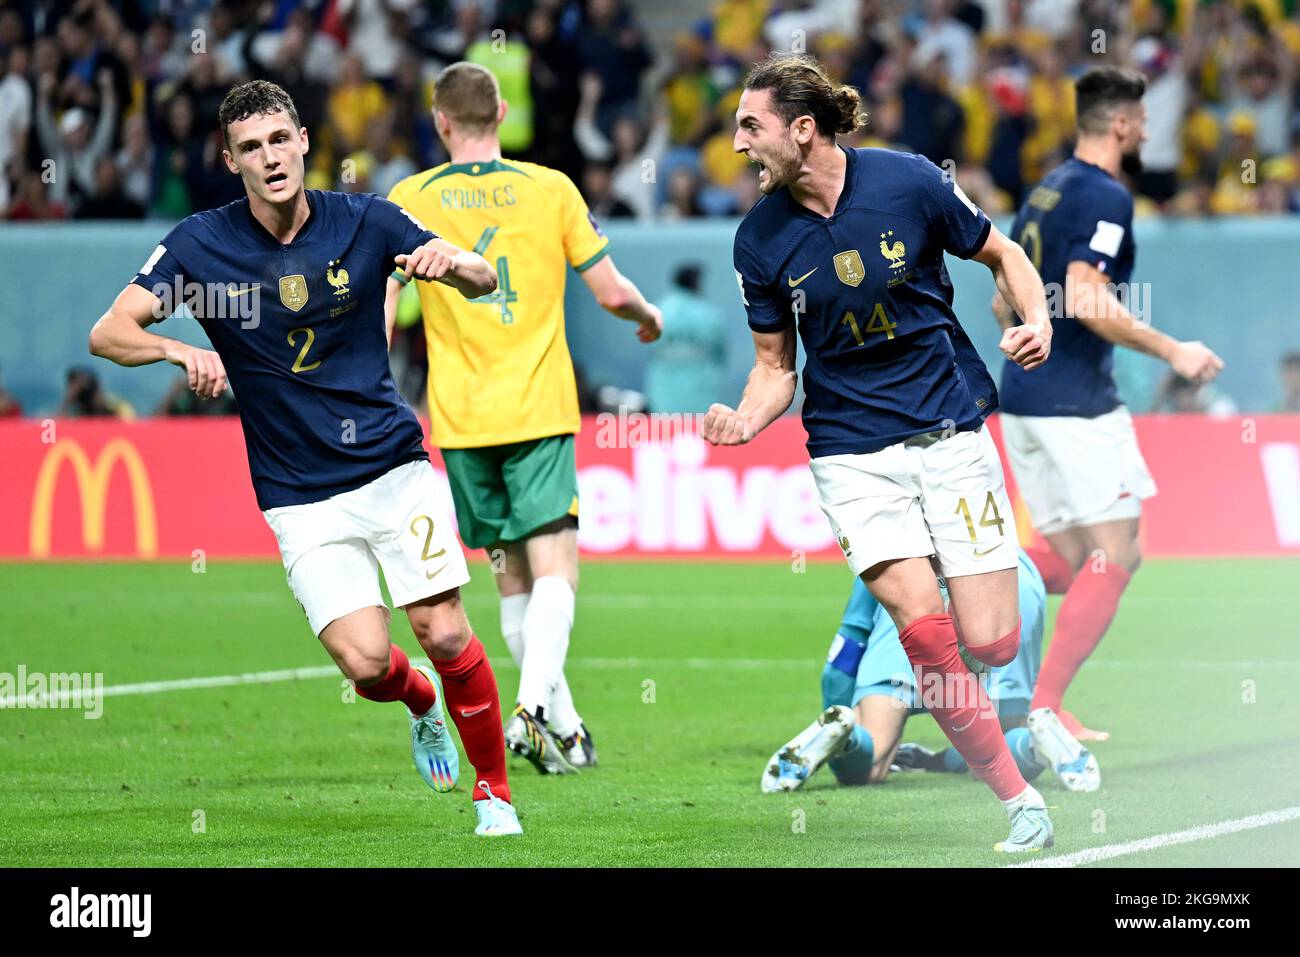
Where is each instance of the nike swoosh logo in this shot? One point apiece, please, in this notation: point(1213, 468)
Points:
point(956, 730)
point(473, 711)
point(235, 293)
point(794, 282)
point(981, 554)
point(436, 571)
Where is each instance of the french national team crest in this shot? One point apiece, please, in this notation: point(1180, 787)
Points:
point(848, 266)
point(293, 292)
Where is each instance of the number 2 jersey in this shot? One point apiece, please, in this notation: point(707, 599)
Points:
point(1079, 213)
point(300, 330)
point(871, 296)
point(499, 365)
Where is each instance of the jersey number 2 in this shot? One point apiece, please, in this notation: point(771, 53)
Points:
point(309, 336)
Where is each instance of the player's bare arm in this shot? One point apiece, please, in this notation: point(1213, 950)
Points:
point(619, 296)
point(1002, 312)
point(1028, 345)
point(1093, 302)
point(768, 393)
point(392, 292)
point(120, 336)
point(439, 261)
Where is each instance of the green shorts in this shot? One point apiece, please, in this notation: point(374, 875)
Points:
point(504, 493)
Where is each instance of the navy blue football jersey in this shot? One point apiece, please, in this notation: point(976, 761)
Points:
point(869, 291)
point(300, 330)
point(1078, 213)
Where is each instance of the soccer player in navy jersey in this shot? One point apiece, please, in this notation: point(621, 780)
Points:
point(1069, 438)
point(289, 286)
point(847, 245)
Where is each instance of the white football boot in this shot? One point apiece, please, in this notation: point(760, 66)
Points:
point(807, 751)
point(1069, 760)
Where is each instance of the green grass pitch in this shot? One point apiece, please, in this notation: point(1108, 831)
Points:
point(689, 674)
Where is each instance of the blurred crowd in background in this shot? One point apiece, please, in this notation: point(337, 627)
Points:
point(108, 107)
point(108, 111)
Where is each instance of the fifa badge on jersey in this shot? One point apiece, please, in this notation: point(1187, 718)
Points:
point(338, 278)
point(844, 544)
point(293, 292)
point(848, 266)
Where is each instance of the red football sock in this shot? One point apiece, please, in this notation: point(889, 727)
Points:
point(960, 705)
point(403, 684)
point(1056, 571)
point(470, 688)
point(1085, 615)
point(1000, 652)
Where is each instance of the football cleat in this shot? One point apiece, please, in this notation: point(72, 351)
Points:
point(1076, 728)
point(917, 757)
point(529, 737)
point(579, 748)
point(496, 818)
point(812, 747)
point(1069, 760)
point(432, 747)
point(1031, 831)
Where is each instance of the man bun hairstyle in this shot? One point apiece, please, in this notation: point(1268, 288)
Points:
point(800, 87)
point(255, 98)
point(469, 96)
point(1103, 90)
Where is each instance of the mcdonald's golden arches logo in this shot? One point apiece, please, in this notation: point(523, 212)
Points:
point(92, 487)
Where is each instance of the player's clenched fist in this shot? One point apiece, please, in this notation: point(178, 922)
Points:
point(723, 425)
point(203, 368)
point(652, 327)
point(1196, 362)
point(1028, 346)
point(427, 262)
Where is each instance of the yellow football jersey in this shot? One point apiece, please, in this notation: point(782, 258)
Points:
point(499, 365)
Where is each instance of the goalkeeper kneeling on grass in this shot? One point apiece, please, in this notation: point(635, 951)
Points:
point(869, 691)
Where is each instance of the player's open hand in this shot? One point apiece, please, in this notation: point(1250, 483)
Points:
point(1028, 346)
point(723, 425)
point(1195, 362)
point(650, 329)
point(427, 262)
point(203, 368)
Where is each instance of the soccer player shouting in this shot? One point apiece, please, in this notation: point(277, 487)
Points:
point(1070, 441)
point(336, 457)
point(847, 245)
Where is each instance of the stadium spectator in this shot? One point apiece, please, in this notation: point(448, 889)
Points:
point(611, 46)
point(554, 87)
point(636, 153)
point(687, 367)
point(15, 118)
point(109, 200)
point(375, 29)
point(32, 202)
point(1184, 397)
point(77, 139)
point(182, 400)
point(1290, 374)
point(597, 179)
point(135, 161)
point(85, 397)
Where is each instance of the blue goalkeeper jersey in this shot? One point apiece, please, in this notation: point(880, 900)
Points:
point(300, 330)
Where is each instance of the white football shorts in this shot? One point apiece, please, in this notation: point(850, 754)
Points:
point(925, 496)
point(1075, 472)
point(333, 549)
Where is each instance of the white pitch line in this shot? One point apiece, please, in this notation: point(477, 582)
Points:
point(1202, 833)
point(599, 664)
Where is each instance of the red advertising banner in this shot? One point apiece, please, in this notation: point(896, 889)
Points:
point(164, 488)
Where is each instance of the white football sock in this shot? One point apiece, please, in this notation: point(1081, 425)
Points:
point(1029, 797)
point(547, 623)
point(512, 624)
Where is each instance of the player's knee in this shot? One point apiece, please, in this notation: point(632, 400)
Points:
point(441, 640)
point(1001, 652)
point(365, 668)
point(879, 771)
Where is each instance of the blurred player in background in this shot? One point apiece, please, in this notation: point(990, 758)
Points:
point(849, 244)
point(869, 690)
point(337, 458)
point(503, 404)
point(1070, 440)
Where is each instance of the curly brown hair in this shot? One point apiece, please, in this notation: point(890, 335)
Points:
point(255, 98)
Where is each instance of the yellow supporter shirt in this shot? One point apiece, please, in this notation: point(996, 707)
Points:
point(499, 365)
